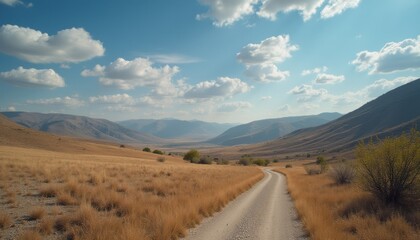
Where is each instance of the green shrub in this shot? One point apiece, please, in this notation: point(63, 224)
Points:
point(192, 155)
point(390, 169)
point(205, 160)
point(146, 149)
point(275, 161)
point(261, 162)
point(244, 161)
point(320, 160)
point(158, 152)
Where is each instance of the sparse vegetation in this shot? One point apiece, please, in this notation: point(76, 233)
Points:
point(342, 173)
point(157, 151)
point(390, 169)
point(161, 159)
point(312, 169)
point(205, 160)
point(146, 149)
point(36, 213)
point(261, 162)
point(5, 220)
point(320, 160)
point(288, 166)
point(244, 161)
point(192, 156)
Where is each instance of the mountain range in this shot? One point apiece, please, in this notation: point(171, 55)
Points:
point(391, 114)
point(269, 129)
point(81, 127)
point(177, 129)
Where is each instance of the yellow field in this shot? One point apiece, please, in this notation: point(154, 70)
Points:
point(330, 211)
point(92, 196)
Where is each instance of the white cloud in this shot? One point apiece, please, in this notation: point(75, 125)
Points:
point(64, 101)
point(324, 78)
point(139, 72)
point(266, 98)
point(394, 56)
point(307, 92)
point(307, 8)
point(266, 73)
point(33, 77)
point(10, 2)
point(222, 87)
point(260, 58)
point(113, 99)
point(173, 59)
point(67, 46)
point(11, 109)
point(233, 106)
point(314, 71)
point(335, 7)
point(226, 12)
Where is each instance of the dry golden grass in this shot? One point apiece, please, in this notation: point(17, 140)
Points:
point(331, 211)
point(30, 235)
point(36, 213)
point(101, 197)
point(5, 220)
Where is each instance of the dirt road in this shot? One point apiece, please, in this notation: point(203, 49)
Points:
point(266, 211)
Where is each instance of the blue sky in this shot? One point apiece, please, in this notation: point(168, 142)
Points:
point(212, 60)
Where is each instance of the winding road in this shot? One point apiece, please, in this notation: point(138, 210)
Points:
point(266, 211)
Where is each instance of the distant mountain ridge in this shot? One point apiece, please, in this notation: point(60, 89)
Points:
point(81, 127)
point(177, 129)
point(391, 114)
point(269, 129)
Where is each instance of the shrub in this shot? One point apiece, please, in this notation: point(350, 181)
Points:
point(320, 160)
point(288, 166)
point(275, 161)
point(5, 220)
point(36, 213)
point(342, 173)
point(312, 170)
point(146, 149)
point(390, 169)
point(192, 155)
point(244, 161)
point(161, 159)
point(158, 152)
point(122, 146)
point(205, 160)
point(261, 162)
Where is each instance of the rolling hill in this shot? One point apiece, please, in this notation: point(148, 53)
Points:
point(81, 127)
point(269, 129)
point(388, 115)
point(177, 129)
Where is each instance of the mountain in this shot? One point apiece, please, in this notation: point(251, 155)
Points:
point(269, 129)
point(81, 127)
point(391, 114)
point(177, 129)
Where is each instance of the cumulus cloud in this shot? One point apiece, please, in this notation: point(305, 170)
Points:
point(307, 92)
point(233, 106)
point(14, 3)
point(394, 56)
point(173, 59)
point(260, 59)
point(314, 71)
point(307, 8)
point(335, 7)
point(33, 77)
point(11, 109)
point(226, 12)
point(139, 72)
point(67, 46)
point(222, 87)
point(324, 78)
point(266, 98)
point(62, 101)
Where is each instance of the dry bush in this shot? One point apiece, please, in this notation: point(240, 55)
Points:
point(343, 173)
point(30, 235)
point(46, 226)
point(312, 169)
point(49, 190)
point(331, 211)
point(36, 213)
point(5, 220)
point(65, 199)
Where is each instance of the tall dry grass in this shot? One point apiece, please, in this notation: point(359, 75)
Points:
point(102, 197)
point(331, 211)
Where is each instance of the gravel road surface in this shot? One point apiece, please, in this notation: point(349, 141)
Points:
point(266, 211)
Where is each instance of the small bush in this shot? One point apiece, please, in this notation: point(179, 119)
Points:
point(122, 146)
point(146, 149)
point(244, 162)
point(320, 160)
point(30, 235)
point(288, 166)
point(205, 160)
point(161, 159)
point(46, 225)
point(275, 161)
point(312, 170)
point(261, 162)
point(390, 169)
point(36, 213)
point(342, 173)
point(192, 155)
point(158, 152)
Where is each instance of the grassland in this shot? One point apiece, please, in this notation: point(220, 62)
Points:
point(50, 195)
point(331, 211)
